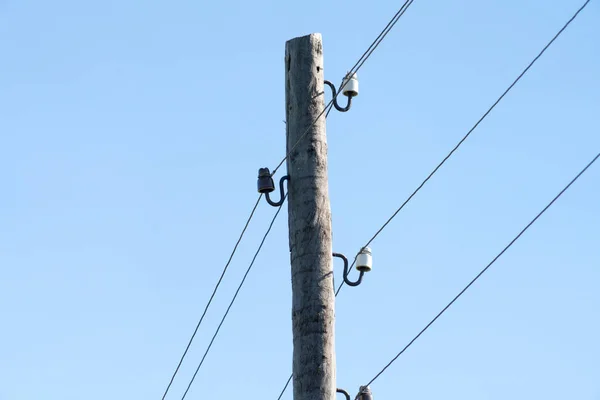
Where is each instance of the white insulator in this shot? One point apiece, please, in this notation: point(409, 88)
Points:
point(364, 260)
point(350, 86)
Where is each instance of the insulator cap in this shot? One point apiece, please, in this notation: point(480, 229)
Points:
point(265, 182)
point(350, 86)
point(364, 260)
point(365, 393)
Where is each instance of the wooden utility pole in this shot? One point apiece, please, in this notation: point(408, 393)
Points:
point(309, 222)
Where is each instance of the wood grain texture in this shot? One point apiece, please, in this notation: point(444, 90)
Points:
point(309, 223)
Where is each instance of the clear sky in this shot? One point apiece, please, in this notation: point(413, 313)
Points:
point(131, 133)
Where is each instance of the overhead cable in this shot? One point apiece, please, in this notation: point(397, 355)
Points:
point(484, 269)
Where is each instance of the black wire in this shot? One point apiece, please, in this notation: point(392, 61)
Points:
point(476, 124)
point(233, 300)
point(382, 35)
point(485, 269)
point(353, 70)
point(375, 43)
point(211, 297)
point(329, 110)
point(359, 63)
point(285, 387)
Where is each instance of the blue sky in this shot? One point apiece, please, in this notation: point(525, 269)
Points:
point(130, 137)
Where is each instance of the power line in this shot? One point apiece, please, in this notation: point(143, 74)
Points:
point(448, 156)
point(475, 126)
point(359, 64)
point(485, 269)
point(232, 300)
point(212, 296)
point(381, 36)
point(286, 386)
point(353, 70)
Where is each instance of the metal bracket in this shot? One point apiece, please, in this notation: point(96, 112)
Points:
point(266, 185)
point(342, 391)
point(335, 103)
point(346, 272)
point(280, 202)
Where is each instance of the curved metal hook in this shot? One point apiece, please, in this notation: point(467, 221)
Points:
point(346, 272)
point(280, 202)
point(344, 393)
point(335, 103)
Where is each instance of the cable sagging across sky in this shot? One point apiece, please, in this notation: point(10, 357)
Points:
point(486, 268)
point(211, 297)
point(233, 300)
point(464, 138)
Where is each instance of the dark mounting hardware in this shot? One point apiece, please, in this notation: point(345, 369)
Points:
point(344, 393)
point(346, 272)
point(266, 185)
point(335, 103)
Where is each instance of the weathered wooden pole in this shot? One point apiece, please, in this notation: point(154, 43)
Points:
point(313, 299)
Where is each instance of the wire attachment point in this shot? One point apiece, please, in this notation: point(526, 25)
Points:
point(364, 393)
point(364, 264)
point(349, 89)
point(266, 185)
point(350, 85)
